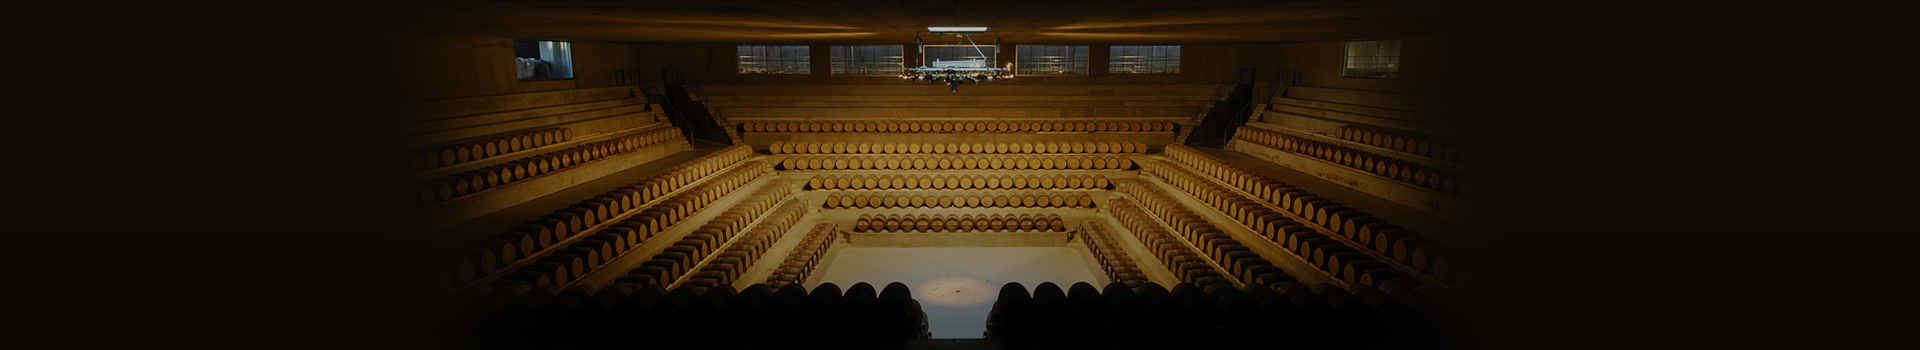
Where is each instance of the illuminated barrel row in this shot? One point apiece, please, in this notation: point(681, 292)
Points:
point(1098, 147)
point(443, 156)
point(567, 226)
point(518, 171)
point(973, 200)
point(959, 223)
point(1240, 260)
point(954, 162)
point(696, 258)
point(1186, 264)
point(959, 126)
point(957, 182)
point(565, 266)
point(1113, 258)
point(1359, 230)
point(799, 263)
point(1448, 182)
point(1423, 146)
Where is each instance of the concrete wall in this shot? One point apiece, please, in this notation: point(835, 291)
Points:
point(424, 67)
point(716, 64)
point(1424, 66)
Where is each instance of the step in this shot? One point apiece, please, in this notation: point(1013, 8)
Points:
point(1388, 152)
point(957, 104)
point(988, 89)
point(1372, 111)
point(958, 98)
point(1427, 104)
point(1328, 121)
point(740, 114)
point(468, 208)
point(443, 124)
point(466, 232)
point(588, 122)
point(1438, 215)
point(499, 103)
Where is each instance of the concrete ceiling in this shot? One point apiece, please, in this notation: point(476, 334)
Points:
point(875, 21)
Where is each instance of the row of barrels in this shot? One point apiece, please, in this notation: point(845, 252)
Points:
point(1114, 260)
point(1104, 147)
point(626, 314)
point(567, 266)
point(1213, 244)
point(1351, 266)
point(957, 182)
point(567, 224)
point(959, 223)
point(959, 126)
point(518, 171)
point(444, 156)
point(1186, 264)
point(1436, 179)
point(1424, 255)
point(971, 200)
point(949, 162)
point(800, 262)
point(1289, 315)
point(678, 263)
point(1423, 146)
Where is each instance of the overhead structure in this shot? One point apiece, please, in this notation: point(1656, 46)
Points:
point(954, 73)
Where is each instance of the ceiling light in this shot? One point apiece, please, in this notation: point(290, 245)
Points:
point(957, 29)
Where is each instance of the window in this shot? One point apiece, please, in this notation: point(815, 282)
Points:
point(1159, 59)
point(1372, 59)
point(959, 56)
point(543, 59)
point(868, 60)
point(1052, 60)
point(758, 59)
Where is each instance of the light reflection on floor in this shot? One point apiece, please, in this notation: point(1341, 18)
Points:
point(957, 286)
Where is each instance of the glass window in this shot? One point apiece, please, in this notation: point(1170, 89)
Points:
point(543, 59)
point(1372, 59)
point(868, 60)
point(763, 59)
point(959, 56)
point(1157, 59)
point(1052, 60)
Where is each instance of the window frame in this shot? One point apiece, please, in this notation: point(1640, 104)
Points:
point(1346, 55)
point(992, 57)
point(566, 64)
point(834, 62)
point(1179, 62)
point(1086, 61)
point(739, 67)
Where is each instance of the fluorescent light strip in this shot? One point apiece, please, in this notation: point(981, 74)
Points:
point(957, 29)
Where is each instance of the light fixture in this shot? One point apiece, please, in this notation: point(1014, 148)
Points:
point(954, 30)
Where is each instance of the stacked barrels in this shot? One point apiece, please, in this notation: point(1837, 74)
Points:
point(1239, 260)
point(462, 152)
point(955, 162)
point(701, 247)
point(567, 266)
point(521, 170)
point(1113, 258)
point(960, 200)
point(687, 316)
point(800, 262)
point(1452, 183)
point(958, 182)
point(561, 229)
point(1187, 264)
point(1424, 146)
point(959, 223)
point(1320, 220)
point(917, 126)
point(1081, 147)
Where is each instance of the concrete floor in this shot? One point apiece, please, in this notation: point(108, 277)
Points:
point(956, 287)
